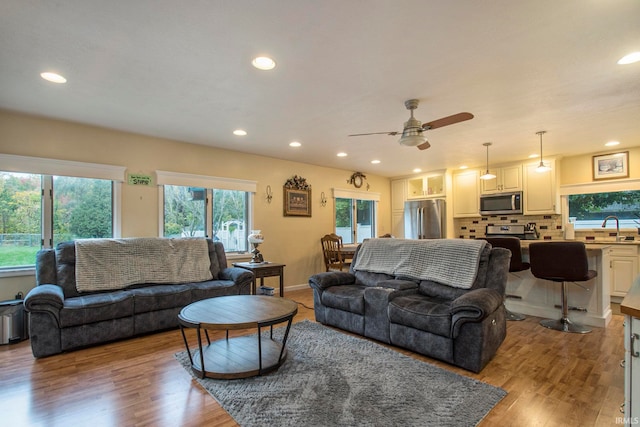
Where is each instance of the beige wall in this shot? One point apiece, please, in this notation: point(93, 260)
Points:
point(293, 241)
point(579, 169)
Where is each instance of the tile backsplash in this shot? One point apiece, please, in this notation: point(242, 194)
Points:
point(549, 227)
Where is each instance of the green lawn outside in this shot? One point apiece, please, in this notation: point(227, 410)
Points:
point(14, 256)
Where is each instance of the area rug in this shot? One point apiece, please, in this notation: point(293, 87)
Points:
point(334, 379)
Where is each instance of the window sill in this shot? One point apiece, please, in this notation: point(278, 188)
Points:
point(18, 271)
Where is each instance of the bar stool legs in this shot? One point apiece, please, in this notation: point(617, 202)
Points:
point(564, 324)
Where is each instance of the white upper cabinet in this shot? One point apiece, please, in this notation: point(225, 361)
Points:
point(508, 178)
point(421, 187)
point(540, 190)
point(466, 194)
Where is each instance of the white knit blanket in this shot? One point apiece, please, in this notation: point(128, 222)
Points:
point(109, 264)
point(452, 262)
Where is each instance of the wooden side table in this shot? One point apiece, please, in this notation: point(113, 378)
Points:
point(262, 270)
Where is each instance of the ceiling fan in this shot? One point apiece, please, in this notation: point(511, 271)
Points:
point(412, 133)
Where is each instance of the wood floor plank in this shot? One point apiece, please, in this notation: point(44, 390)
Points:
point(553, 379)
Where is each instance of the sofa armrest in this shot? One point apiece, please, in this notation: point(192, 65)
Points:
point(240, 277)
point(236, 274)
point(44, 295)
point(322, 281)
point(474, 306)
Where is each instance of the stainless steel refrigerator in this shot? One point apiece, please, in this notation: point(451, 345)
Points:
point(425, 219)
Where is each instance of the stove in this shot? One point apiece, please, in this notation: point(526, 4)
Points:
point(524, 232)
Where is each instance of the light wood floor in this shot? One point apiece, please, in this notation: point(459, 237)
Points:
point(553, 379)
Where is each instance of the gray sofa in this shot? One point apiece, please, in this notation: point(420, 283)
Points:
point(384, 298)
point(63, 318)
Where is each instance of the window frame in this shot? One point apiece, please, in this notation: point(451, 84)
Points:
point(591, 188)
point(53, 167)
point(208, 183)
point(355, 195)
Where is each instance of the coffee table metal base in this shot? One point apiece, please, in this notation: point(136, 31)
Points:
point(237, 358)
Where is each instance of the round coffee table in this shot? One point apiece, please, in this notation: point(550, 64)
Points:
point(243, 356)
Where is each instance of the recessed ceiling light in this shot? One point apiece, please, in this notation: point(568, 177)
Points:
point(612, 143)
point(630, 58)
point(342, 154)
point(416, 170)
point(533, 156)
point(240, 132)
point(464, 167)
point(375, 162)
point(53, 77)
point(294, 144)
point(263, 63)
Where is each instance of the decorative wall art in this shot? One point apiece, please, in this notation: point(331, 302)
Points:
point(297, 197)
point(611, 166)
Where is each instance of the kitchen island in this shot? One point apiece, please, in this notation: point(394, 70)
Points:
point(541, 298)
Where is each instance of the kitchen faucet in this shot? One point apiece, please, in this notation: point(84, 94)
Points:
point(604, 224)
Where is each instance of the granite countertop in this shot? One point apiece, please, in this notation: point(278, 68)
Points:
point(590, 244)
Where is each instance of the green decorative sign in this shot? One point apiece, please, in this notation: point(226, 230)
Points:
point(139, 179)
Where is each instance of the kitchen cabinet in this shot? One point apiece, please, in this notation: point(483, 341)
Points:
point(540, 190)
point(432, 185)
point(398, 197)
point(466, 194)
point(630, 307)
point(623, 262)
point(508, 178)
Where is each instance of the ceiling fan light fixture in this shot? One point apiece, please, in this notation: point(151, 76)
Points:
point(412, 133)
point(487, 175)
point(542, 167)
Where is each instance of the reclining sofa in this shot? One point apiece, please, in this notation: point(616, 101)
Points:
point(442, 298)
point(99, 290)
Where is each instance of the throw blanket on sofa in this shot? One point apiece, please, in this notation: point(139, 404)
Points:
point(452, 262)
point(108, 264)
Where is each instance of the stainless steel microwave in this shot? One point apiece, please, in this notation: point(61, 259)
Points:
point(501, 204)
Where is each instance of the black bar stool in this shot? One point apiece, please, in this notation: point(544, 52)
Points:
point(515, 265)
point(561, 262)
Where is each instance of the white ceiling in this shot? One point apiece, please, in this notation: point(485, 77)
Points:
point(181, 70)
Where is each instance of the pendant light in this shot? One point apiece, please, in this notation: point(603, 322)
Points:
point(487, 174)
point(542, 167)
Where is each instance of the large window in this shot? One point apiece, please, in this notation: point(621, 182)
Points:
point(188, 212)
point(589, 210)
point(43, 210)
point(355, 219)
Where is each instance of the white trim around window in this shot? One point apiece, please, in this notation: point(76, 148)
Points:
point(339, 193)
point(43, 166)
point(204, 181)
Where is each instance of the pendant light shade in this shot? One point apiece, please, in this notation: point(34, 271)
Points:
point(542, 167)
point(487, 174)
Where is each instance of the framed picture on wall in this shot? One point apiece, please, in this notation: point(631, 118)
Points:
point(297, 202)
point(611, 166)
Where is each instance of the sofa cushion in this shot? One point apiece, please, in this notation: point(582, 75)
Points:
point(347, 298)
point(96, 308)
point(160, 297)
point(66, 268)
point(215, 267)
point(367, 278)
point(212, 288)
point(426, 314)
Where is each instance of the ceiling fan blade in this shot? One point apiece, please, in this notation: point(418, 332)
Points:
point(446, 121)
point(376, 133)
point(424, 145)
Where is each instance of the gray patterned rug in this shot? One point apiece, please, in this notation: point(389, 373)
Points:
point(334, 379)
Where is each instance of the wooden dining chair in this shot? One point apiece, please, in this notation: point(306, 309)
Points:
point(333, 260)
